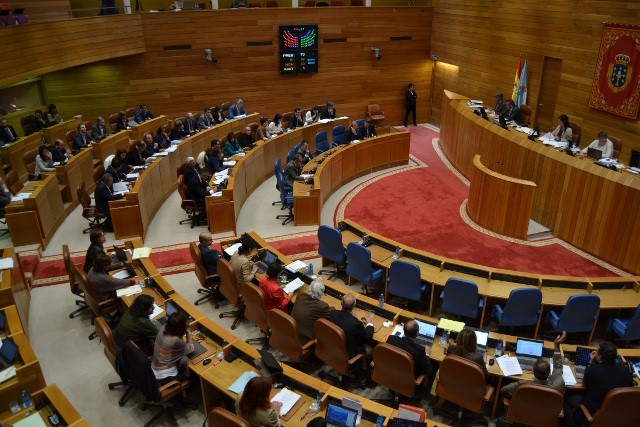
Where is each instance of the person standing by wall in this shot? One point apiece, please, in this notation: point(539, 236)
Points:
point(410, 104)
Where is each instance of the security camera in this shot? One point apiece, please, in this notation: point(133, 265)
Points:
point(209, 55)
point(377, 52)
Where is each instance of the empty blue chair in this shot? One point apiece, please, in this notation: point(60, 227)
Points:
point(337, 135)
point(330, 247)
point(522, 308)
point(460, 297)
point(404, 281)
point(291, 154)
point(286, 198)
point(359, 266)
point(579, 314)
point(277, 168)
point(322, 143)
point(627, 328)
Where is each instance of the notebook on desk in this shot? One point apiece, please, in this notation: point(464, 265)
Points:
point(594, 153)
point(8, 353)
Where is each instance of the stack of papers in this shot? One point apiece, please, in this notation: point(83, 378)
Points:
point(240, 154)
point(229, 163)
point(216, 193)
point(287, 398)
point(171, 149)
point(567, 376)
point(161, 154)
point(509, 365)
point(137, 168)
point(141, 253)
point(222, 174)
point(134, 175)
point(20, 196)
point(238, 385)
point(157, 311)
point(296, 266)
point(120, 187)
point(128, 291)
point(7, 374)
point(232, 249)
point(6, 263)
point(293, 286)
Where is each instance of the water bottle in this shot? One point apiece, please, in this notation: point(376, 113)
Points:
point(444, 338)
point(498, 351)
point(309, 269)
point(26, 399)
point(396, 253)
point(380, 421)
point(381, 301)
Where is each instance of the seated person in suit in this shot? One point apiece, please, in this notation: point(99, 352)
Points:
point(312, 116)
point(308, 308)
point(82, 139)
point(162, 137)
point(97, 239)
point(542, 371)
point(178, 132)
point(293, 170)
point(601, 376)
point(58, 152)
point(275, 127)
point(197, 188)
point(135, 156)
point(205, 121)
point(103, 284)
point(274, 296)
point(190, 125)
point(115, 169)
point(209, 256)
point(103, 195)
point(7, 133)
point(53, 116)
point(236, 110)
point(407, 343)
point(231, 146)
point(501, 105)
point(99, 131)
point(303, 151)
point(357, 332)
point(254, 404)
point(369, 129)
point(245, 139)
point(296, 120)
point(329, 112)
point(243, 267)
point(44, 162)
point(263, 129)
point(150, 147)
point(603, 143)
point(352, 134)
point(512, 112)
point(136, 326)
point(5, 194)
point(170, 360)
point(143, 114)
point(215, 160)
point(217, 115)
point(563, 132)
point(465, 346)
point(122, 123)
point(38, 123)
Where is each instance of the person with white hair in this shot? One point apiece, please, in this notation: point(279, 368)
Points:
point(308, 308)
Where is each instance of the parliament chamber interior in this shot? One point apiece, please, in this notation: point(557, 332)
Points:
point(543, 238)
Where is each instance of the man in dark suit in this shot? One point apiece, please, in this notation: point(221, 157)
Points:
point(7, 132)
point(512, 112)
point(329, 112)
point(357, 332)
point(197, 188)
point(190, 124)
point(99, 131)
point(245, 139)
point(501, 105)
point(602, 375)
point(58, 151)
point(143, 114)
point(308, 308)
point(352, 134)
point(115, 170)
point(104, 194)
point(296, 120)
point(209, 256)
point(368, 130)
point(82, 138)
point(293, 170)
point(236, 110)
point(407, 343)
point(38, 123)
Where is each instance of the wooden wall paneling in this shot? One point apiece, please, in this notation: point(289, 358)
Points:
point(43, 11)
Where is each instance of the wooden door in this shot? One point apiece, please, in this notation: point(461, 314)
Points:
point(549, 84)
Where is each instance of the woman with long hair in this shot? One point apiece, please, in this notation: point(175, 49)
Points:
point(254, 405)
point(466, 345)
point(170, 350)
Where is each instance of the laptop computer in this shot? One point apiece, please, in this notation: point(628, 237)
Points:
point(268, 364)
point(482, 338)
point(426, 333)
point(8, 353)
point(634, 160)
point(581, 360)
point(268, 258)
point(340, 416)
point(121, 254)
point(527, 352)
point(594, 153)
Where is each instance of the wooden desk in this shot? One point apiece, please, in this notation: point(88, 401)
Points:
point(28, 372)
point(79, 168)
point(60, 130)
point(111, 144)
point(342, 165)
point(13, 324)
point(500, 203)
point(255, 168)
point(13, 154)
point(137, 132)
point(14, 290)
point(370, 409)
point(57, 402)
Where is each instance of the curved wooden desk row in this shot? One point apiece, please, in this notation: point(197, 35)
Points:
point(343, 164)
point(132, 215)
point(56, 403)
point(593, 208)
point(255, 168)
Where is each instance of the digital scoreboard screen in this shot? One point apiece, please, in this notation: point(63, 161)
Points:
point(298, 49)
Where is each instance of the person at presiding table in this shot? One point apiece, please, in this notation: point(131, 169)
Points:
point(308, 308)
point(170, 360)
point(501, 105)
point(329, 112)
point(274, 296)
point(99, 130)
point(197, 188)
point(53, 116)
point(512, 112)
point(542, 371)
point(303, 151)
point(135, 155)
point(5, 195)
point(44, 162)
point(103, 195)
point(231, 145)
point(352, 134)
point(296, 120)
point(215, 160)
point(243, 267)
point(38, 123)
point(7, 132)
point(357, 332)
point(115, 169)
point(205, 121)
point(136, 326)
point(209, 256)
point(465, 346)
point(369, 129)
point(82, 139)
point(263, 129)
point(236, 110)
point(121, 122)
point(602, 375)
point(58, 151)
point(563, 132)
point(254, 404)
point(162, 137)
point(245, 139)
point(143, 114)
point(103, 284)
point(603, 143)
point(419, 354)
point(293, 170)
point(150, 147)
point(275, 127)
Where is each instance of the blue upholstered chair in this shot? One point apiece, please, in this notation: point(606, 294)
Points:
point(579, 314)
point(277, 167)
point(404, 281)
point(322, 143)
point(522, 308)
point(627, 328)
point(286, 198)
point(337, 135)
point(359, 266)
point(460, 297)
point(330, 247)
point(291, 153)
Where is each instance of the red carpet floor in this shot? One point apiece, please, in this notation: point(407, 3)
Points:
point(420, 208)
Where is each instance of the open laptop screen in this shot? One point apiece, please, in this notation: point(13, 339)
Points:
point(426, 329)
point(269, 257)
point(482, 338)
point(529, 348)
point(594, 153)
point(338, 415)
point(170, 308)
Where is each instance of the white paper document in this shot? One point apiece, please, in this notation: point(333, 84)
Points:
point(6, 263)
point(306, 175)
point(287, 398)
point(171, 149)
point(141, 253)
point(509, 365)
point(20, 196)
point(120, 187)
point(216, 193)
point(128, 291)
point(7, 374)
point(123, 274)
point(134, 175)
point(293, 286)
point(157, 311)
point(232, 249)
point(296, 266)
point(161, 154)
point(567, 375)
point(222, 174)
point(240, 154)
point(229, 163)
